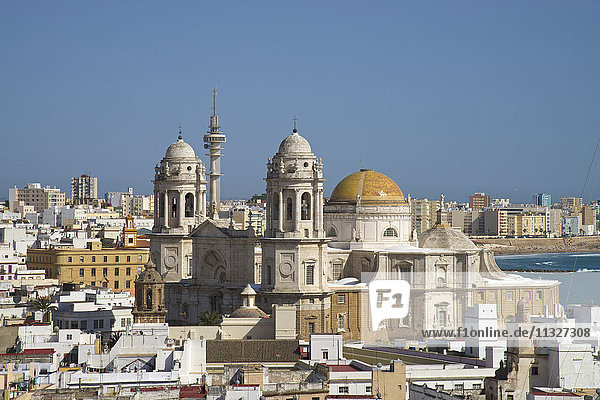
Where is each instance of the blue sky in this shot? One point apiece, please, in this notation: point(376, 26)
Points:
point(454, 97)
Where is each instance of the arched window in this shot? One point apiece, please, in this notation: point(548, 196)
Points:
point(189, 205)
point(174, 207)
point(390, 232)
point(161, 206)
point(149, 299)
point(305, 207)
point(332, 232)
point(290, 209)
point(275, 207)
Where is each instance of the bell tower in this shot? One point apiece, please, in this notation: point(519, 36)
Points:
point(149, 296)
point(294, 191)
point(294, 247)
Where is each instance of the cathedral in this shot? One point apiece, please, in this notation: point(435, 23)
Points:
point(319, 256)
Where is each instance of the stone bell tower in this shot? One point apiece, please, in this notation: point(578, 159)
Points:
point(294, 247)
point(179, 206)
point(149, 296)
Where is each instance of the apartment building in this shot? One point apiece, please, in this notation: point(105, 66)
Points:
point(84, 189)
point(36, 196)
point(113, 268)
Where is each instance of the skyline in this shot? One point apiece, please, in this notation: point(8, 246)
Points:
point(500, 100)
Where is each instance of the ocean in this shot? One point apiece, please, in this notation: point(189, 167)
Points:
point(579, 273)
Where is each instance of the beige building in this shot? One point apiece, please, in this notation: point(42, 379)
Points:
point(571, 203)
point(116, 269)
point(84, 189)
point(40, 198)
point(423, 213)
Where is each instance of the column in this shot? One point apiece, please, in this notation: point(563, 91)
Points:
point(204, 203)
point(297, 208)
point(196, 210)
point(180, 208)
point(156, 208)
point(281, 207)
point(315, 213)
point(166, 208)
point(268, 212)
point(320, 211)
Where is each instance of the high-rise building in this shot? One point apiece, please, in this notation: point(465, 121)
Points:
point(542, 199)
point(84, 189)
point(479, 201)
point(34, 195)
point(570, 203)
point(423, 214)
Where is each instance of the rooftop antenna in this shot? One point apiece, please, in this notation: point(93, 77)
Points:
point(214, 101)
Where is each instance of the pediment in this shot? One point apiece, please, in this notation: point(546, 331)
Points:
point(208, 229)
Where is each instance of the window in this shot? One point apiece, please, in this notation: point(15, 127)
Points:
point(81, 272)
point(116, 271)
point(116, 258)
point(105, 284)
point(104, 271)
point(390, 232)
point(509, 296)
point(311, 328)
point(459, 386)
point(129, 257)
point(305, 207)
point(325, 355)
point(93, 283)
point(69, 259)
point(189, 205)
point(509, 397)
point(93, 258)
point(84, 324)
point(341, 298)
point(341, 322)
point(95, 324)
point(69, 336)
point(477, 386)
point(369, 389)
point(116, 284)
point(275, 206)
point(343, 390)
point(539, 295)
point(439, 387)
point(74, 325)
point(123, 322)
point(101, 323)
point(310, 274)
point(105, 258)
point(128, 271)
point(332, 232)
point(127, 284)
point(289, 209)
point(81, 259)
point(140, 258)
point(93, 271)
point(336, 271)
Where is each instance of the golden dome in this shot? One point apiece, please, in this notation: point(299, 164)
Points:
point(373, 188)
